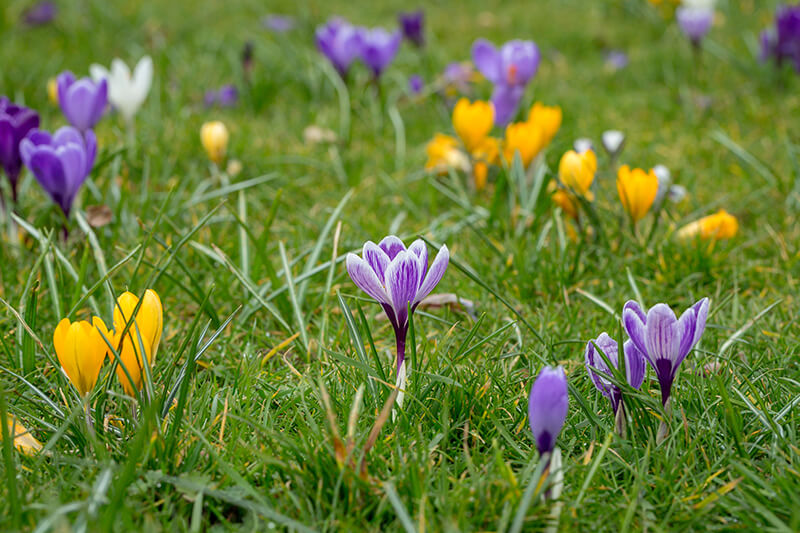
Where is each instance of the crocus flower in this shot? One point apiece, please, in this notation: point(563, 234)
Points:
point(81, 350)
point(278, 23)
point(547, 118)
point(60, 162)
point(613, 141)
point(40, 13)
point(458, 76)
point(783, 41)
point(547, 407)
point(485, 154)
point(398, 278)
point(415, 84)
point(637, 190)
point(506, 99)
point(412, 24)
point(525, 138)
point(82, 101)
point(616, 59)
point(340, 42)
point(576, 172)
point(226, 96)
point(472, 121)
point(583, 144)
point(720, 225)
point(378, 49)
point(510, 69)
point(126, 92)
point(146, 327)
point(443, 154)
point(15, 123)
point(694, 21)
point(635, 366)
point(214, 136)
point(664, 182)
point(664, 340)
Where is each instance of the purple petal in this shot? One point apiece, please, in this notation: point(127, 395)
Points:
point(375, 258)
point(487, 60)
point(595, 364)
point(635, 364)
point(633, 319)
point(684, 330)
point(434, 275)
point(392, 245)
point(420, 249)
point(365, 279)
point(662, 336)
point(547, 407)
point(91, 150)
point(701, 310)
point(402, 282)
point(505, 99)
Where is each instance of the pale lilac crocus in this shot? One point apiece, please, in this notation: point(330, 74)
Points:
point(398, 278)
point(340, 42)
point(663, 339)
point(635, 366)
point(15, 123)
point(61, 162)
point(82, 101)
point(509, 68)
point(278, 23)
point(695, 21)
point(378, 49)
point(547, 407)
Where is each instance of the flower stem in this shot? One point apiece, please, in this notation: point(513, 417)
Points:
point(401, 347)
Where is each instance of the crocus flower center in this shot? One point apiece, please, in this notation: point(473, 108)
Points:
point(512, 74)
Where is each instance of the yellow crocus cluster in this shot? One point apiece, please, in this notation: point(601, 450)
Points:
point(214, 137)
point(82, 347)
point(637, 190)
point(473, 121)
point(576, 172)
point(530, 137)
point(720, 225)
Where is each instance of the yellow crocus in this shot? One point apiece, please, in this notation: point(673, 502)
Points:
point(547, 118)
point(52, 91)
point(485, 154)
point(214, 136)
point(637, 190)
point(148, 325)
point(720, 225)
point(576, 172)
point(443, 154)
point(23, 440)
point(81, 351)
point(527, 138)
point(564, 200)
point(473, 122)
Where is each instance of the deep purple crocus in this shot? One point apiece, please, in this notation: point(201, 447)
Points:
point(694, 21)
point(510, 69)
point(379, 48)
point(415, 84)
point(398, 278)
point(278, 23)
point(40, 13)
point(60, 162)
point(635, 366)
point(15, 123)
point(547, 407)
point(664, 340)
point(412, 25)
point(783, 41)
point(82, 101)
point(340, 42)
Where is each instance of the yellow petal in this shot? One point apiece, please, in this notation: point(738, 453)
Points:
point(547, 118)
point(214, 136)
point(525, 138)
point(24, 442)
point(637, 190)
point(472, 121)
point(148, 325)
point(576, 171)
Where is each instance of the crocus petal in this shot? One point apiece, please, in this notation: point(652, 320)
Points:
point(662, 336)
point(701, 310)
point(505, 99)
point(402, 283)
point(392, 245)
point(434, 275)
point(684, 330)
point(365, 278)
point(420, 249)
point(635, 364)
point(547, 407)
point(487, 60)
point(376, 258)
point(633, 318)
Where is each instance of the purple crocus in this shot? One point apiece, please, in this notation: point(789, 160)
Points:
point(398, 278)
point(379, 48)
point(415, 84)
point(15, 123)
point(226, 96)
point(635, 366)
point(547, 407)
point(340, 42)
point(694, 21)
point(278, 23)
point(664, 340)
point(458, 76)
point(40, 13)
point(82, 101)
point(60, 162)
point(412, 25)
point(783, 42)
point(616, 59)
point(510, 69)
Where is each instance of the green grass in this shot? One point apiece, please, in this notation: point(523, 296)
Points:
point(280, 444)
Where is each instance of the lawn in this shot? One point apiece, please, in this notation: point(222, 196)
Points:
point(272, 400)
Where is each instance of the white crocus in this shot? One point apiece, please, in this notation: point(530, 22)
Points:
point(126, 92)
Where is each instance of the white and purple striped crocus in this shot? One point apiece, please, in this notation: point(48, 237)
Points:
point(15, 123)
point(635, 366)
point(82, 101)
point(509, 68)
point(398, 278)
point(340, 42)
point(664, 339)
point(695, 18)
point(60, 162)
point(547, 407)
point(378, 49)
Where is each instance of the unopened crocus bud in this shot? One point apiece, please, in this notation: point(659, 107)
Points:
point(583, 144)
point(214, 136)
point(547, 407)
point(613, 141)
point(637, 190)
point(144, 331)
point(472, 121)
point(81, 350)
point(720, 225)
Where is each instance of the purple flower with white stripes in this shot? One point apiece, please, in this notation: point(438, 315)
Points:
point(398, 278)
point(547, 407)
point(664, 339)
point(635, 366)
point(695, 22)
